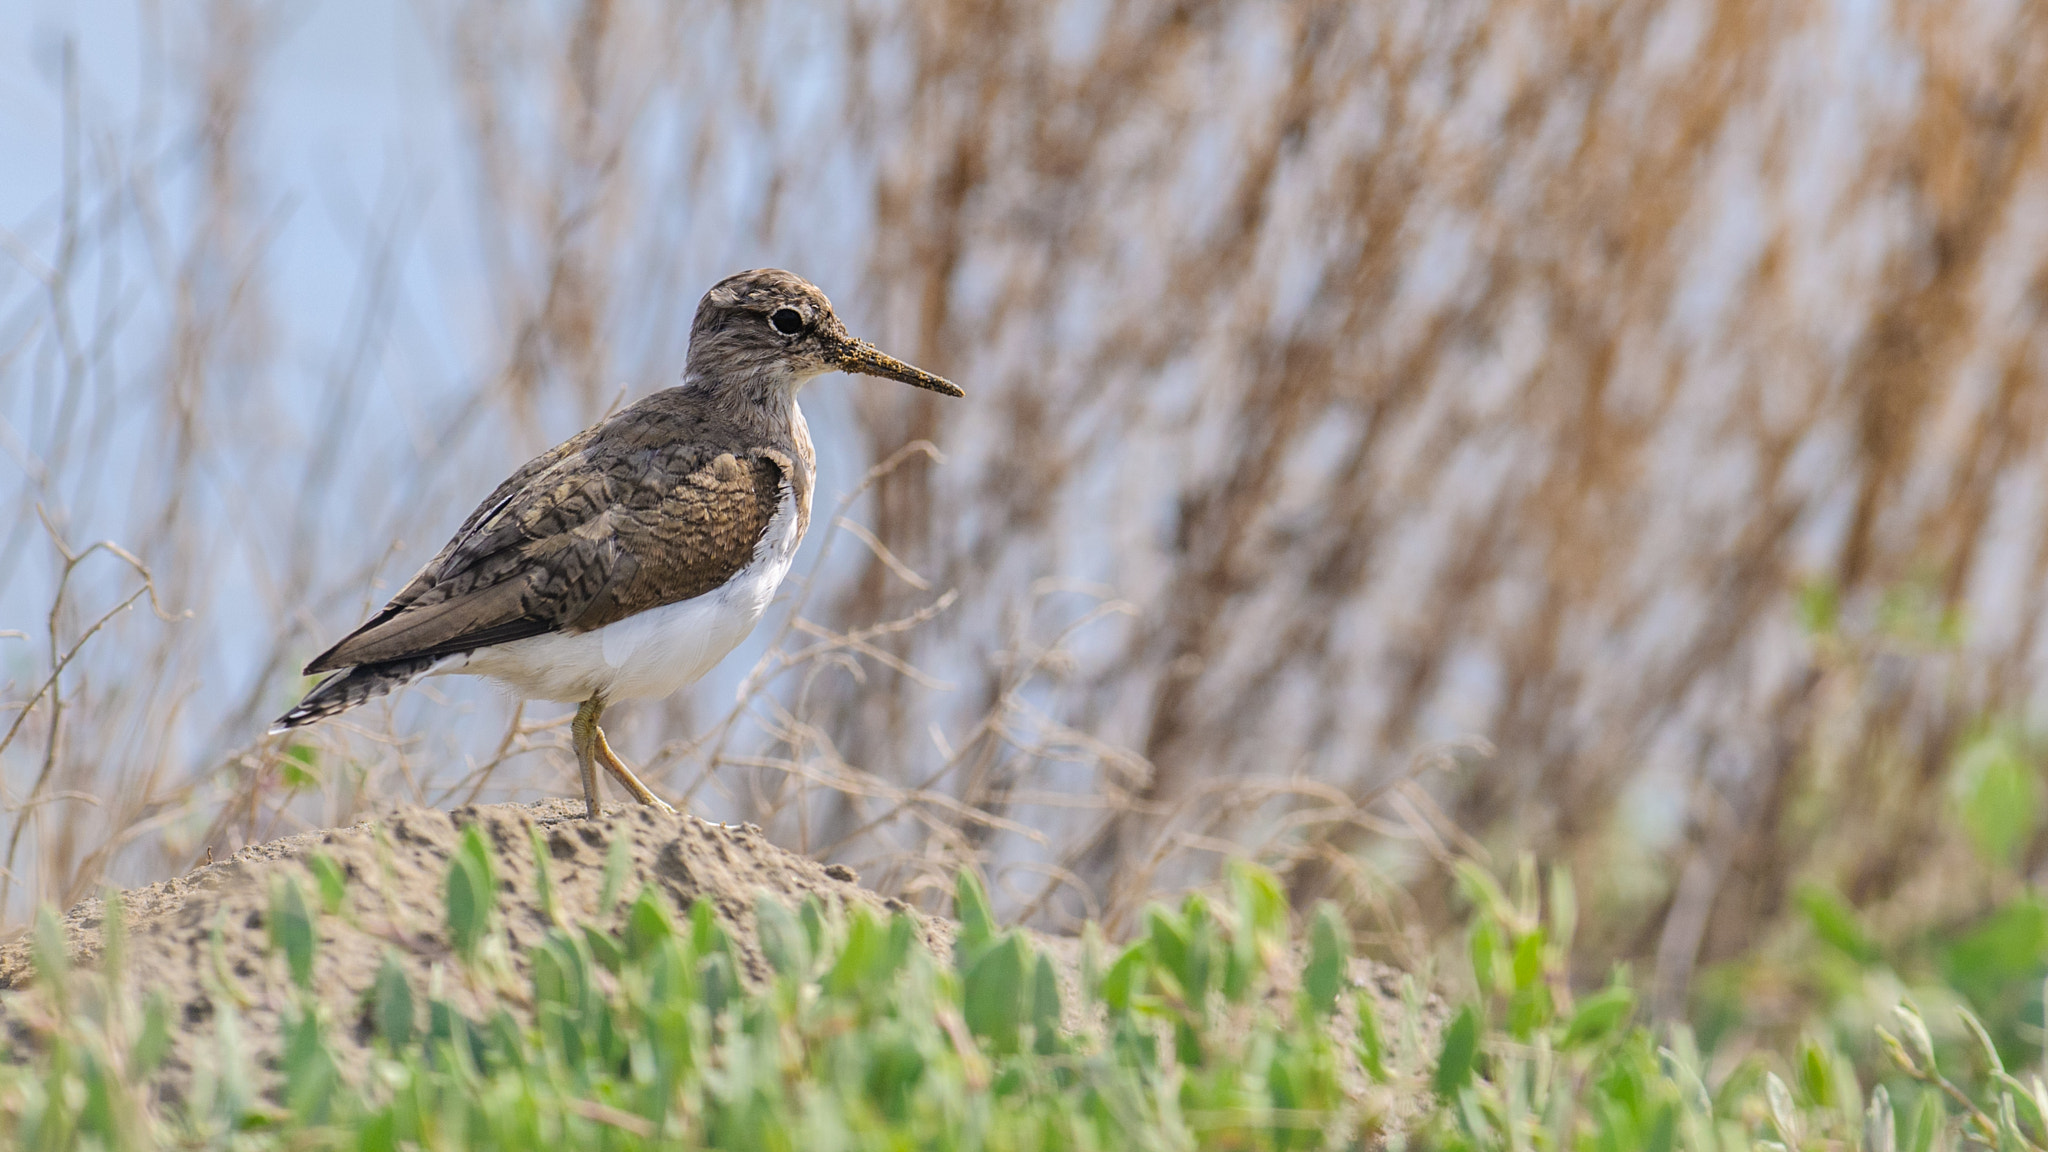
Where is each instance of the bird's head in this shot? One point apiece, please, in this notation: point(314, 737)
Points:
point(770, 326)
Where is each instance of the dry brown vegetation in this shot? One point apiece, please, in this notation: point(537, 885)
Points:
point(1394, 431)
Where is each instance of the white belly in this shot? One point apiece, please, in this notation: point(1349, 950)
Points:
point(649, 654)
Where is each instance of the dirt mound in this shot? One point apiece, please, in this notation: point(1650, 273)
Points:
point(202, 936)
point(202, 940)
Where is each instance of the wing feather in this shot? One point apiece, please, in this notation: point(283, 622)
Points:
point(598, 529)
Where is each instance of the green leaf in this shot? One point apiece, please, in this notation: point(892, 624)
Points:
point(2005, 948)
point(865, 962)
point(894, 1070)
point(903, 937)
point(1125, 978)
point(475, 848)
point(971, 908)
point(1261, 902)
point(992, 992)
point(113, 930)
point(1484, 892)
point(1879, 1132)
point(94, 1098)
point(1663, 1130)
point(1983, 1038)
point(1914, 612)
point(391, 1010)
point(472, 892)
point(1784, 1117)
point(310, 1076)
point(468, 898)
point(291, 928)
point(617, 858)
point(1819, 606)
point(1529, 1009)
point(707, 937)
point(1045, 1007)
point(1598, 1015)
point(604, 948)
point(647, 925)
point(300, 767)
point(718, 981)
point(1487, 953)
point(379, 1133)
point(1197, 966)
point(2029, 1104)
point(1924, 1128)
point(1996, 793)
point(544, 876)
point(561, 971)
point(1460, 1048)
point(1092, 968)
point(332, 881)
point(1169, 939)
point(1259, 935)
point(1328, 948)
point(1836, 923)
point(52, 958)
point(1283, 1095)
point(1919, 1042)
point(2010, 1138)
point(153, 1042)
point(1564, 909)
point(1816, 1075)
point(812, 918)
point(782, 939)
point(1528, 962)
point(1372, 1047)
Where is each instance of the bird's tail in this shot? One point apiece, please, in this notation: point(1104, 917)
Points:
point(359, 685)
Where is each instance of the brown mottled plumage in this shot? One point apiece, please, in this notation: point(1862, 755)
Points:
point(640, 511)
point(681, 511)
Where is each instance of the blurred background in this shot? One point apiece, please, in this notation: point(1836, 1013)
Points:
point(1398, 433)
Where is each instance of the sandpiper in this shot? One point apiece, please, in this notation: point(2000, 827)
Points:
point(626, 562)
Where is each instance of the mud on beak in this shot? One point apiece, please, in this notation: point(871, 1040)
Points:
point(859, 356)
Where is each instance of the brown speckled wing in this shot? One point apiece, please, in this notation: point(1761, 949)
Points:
point(596, 530)
point(685, 541)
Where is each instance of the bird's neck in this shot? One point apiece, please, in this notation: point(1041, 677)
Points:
point(765, 403)
point(766, 396)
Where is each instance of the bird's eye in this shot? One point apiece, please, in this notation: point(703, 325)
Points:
point(787, 321)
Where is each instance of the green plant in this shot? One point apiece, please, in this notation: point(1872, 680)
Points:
point(1223, 1024)
point(638, 1033)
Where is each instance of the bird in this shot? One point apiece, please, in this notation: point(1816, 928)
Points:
point(625, 562)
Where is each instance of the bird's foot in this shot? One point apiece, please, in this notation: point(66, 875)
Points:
point(624, 775)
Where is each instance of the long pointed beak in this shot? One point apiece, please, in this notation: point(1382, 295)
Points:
point(851, 355)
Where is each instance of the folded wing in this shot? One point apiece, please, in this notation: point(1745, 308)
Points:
point(582, 536)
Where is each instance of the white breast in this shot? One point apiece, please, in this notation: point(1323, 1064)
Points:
point(649, 654)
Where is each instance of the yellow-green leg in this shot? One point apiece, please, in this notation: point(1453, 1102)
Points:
point(583, 737)
point(625, 776)
point(592, 749)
